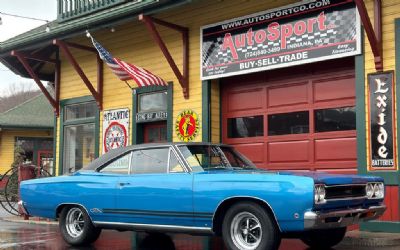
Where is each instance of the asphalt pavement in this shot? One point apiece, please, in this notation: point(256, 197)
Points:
point(16, 233)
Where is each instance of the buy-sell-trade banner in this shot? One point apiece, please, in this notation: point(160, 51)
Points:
point(304, 32)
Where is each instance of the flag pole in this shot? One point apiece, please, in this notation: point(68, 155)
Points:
point(128, 85)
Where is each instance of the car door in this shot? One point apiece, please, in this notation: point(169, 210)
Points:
point(158, 189)
point(99, 189)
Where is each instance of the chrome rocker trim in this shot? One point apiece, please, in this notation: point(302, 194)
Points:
point(153, 227)
point(341, 218)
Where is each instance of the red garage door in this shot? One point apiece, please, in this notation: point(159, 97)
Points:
point(299, 118)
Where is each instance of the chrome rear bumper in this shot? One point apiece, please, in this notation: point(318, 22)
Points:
point(22, 207)
point(341, 218)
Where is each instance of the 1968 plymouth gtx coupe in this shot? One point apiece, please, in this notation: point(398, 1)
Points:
point(199, 188)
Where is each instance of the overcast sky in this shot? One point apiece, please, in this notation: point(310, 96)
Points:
point(12, 26)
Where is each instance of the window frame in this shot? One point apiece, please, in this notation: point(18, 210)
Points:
point(95, 120)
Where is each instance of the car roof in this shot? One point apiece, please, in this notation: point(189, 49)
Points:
point(112, 154)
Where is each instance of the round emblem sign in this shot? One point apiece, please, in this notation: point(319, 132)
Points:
point(115, 136)
point(187, 125)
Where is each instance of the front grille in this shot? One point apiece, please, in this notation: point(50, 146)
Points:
point(345, 192)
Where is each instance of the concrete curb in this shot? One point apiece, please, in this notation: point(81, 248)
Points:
point(37, 222)
point(370, 239)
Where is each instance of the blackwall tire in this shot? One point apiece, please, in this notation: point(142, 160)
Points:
point(324, 238)
point(248, 226)
point(76, 227)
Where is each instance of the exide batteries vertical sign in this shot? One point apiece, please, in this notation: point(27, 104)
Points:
point(296, 34)
point(382, 148)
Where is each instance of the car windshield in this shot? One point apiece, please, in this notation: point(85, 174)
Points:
point(212, 157)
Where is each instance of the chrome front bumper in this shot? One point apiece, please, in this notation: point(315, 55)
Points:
point(341, 218)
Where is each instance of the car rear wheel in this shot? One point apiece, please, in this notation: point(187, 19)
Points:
point(247, 226)
point(324, 238)
point(76, 227)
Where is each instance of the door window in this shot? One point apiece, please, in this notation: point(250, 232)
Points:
point(150, 161)
point(79, 135)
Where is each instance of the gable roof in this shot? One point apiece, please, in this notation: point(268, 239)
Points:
point(34, 113)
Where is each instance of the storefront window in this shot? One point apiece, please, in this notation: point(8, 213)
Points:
point(335, 119)
point(153, 102)
point(78, 111)
point(79, 136)
point(288, 123)
point(34, 148)
point(250, 126)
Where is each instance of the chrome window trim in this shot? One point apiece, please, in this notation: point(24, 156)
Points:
point(174, 151)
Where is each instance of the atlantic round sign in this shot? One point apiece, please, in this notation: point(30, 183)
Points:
point(115, 136)
point(187, 125)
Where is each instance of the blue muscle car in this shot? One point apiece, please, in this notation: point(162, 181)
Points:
point(199, 188)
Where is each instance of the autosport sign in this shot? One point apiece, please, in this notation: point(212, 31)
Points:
point(295, 34)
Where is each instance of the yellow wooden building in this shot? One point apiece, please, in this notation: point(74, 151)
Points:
point(30, 127)
point(288, 83)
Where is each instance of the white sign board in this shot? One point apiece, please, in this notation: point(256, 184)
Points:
point(115, 129)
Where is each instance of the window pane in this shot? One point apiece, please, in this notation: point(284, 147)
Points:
point(241, 127)
point(288, 123)
point(78, 146)
point(153, 102)
point(81, 110)
point(148, 161)
point(118, 166)
point(335, 119)
point(174, 165)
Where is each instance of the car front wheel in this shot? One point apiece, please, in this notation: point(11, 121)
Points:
point(76, 227)
point(247, 226)
point(324, 238)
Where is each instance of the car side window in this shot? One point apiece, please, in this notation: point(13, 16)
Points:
point(118, 166)
point(150, 161)
point(174, 165)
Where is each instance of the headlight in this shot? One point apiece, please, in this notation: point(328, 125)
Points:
point(375, 190)
point(319, 194)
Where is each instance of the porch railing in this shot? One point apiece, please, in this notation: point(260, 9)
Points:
point(69, 9)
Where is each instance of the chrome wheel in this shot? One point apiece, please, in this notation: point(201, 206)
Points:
point(74, 222)
point(246, 231)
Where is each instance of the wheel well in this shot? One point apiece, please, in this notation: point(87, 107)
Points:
point(226, 204)
point(62, 206)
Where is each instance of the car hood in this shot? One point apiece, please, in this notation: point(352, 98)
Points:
point(334, 179)
point(318, 177)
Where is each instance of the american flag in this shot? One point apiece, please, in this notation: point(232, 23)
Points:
point(126, 71)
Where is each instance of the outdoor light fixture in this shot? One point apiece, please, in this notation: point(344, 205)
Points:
point(30, 18)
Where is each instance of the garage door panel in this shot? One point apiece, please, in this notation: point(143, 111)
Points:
point(245, 100)
point(335, 149)
point(253, 151)
point(286, 152)
point(327, 138)
point(333, 89)
point(287, 95)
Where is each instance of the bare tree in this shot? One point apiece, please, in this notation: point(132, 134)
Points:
point(16, 94)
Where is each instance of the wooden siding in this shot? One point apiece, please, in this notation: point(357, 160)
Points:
point(131, 42)
point(7, 143)
point(390, 11)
